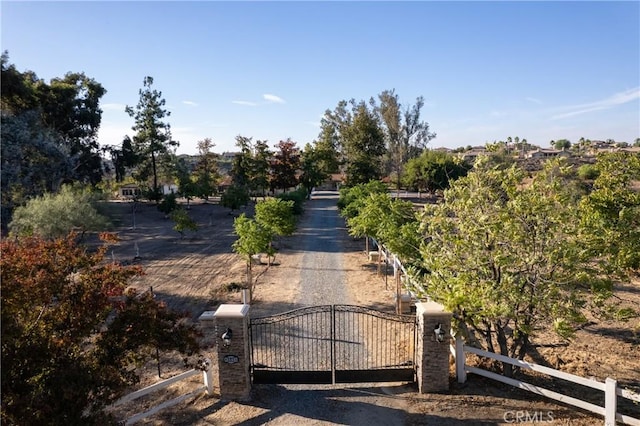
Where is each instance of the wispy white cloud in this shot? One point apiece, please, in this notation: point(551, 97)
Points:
point(534, 100)
point(113, 107)
point(246, 103)
point(273, 98)
point(607, 103)
point(191, 103)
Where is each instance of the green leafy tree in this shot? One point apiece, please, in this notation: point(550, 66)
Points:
point(284, 166)
point(261, 167)
point(72, 337)
point(17, 90)
point(364, 146)
point(123, 158)
point(67, 107)
point(311, 165)
point(183, 221)
point(508, 258)
point(55, 215)
point(611, 212)
point(327, 147)
point(187, 187)
point(152, 142)
point(235, 197)
point(276, 215)
point(356, 135)
point(243, 162)
point(253, 238)
point(206, 170)
point(70, 107)
point(351, 199)
point(405, 133)
point(433, 170)
point(387, 220)
point(561, 144)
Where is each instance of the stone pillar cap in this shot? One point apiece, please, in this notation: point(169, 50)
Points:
point(207, 316)
point(430, 307)
point(232, 311)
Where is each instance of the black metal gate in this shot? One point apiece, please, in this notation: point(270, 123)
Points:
point(333, 344)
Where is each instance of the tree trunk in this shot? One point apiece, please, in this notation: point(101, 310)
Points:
point(504, 350)
point(250, 279)
point(155, 176)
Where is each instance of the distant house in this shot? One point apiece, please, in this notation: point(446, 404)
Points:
point(132, 190)
point(129, 191)
point(541, 154)
point(169, 188)
point(471, 155)
point(225, 183)
point(443, 149)
point(228, 156)
point(631, 149)
point(333, 182)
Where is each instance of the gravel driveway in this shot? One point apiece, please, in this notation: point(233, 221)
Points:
point(322, 281)
point(322, 278)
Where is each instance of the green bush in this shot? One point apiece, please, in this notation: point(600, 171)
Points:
point(298, 197)
point(168, 203)
point(55, 215)
point(588, 172)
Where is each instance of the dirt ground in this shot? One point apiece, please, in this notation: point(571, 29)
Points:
point(198, 272)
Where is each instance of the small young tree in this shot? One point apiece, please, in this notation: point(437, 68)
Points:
point(187, 187)
point(183, 221)
point(277, 216)
point(253, 238)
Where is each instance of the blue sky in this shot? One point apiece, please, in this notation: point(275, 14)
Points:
point(268, 70)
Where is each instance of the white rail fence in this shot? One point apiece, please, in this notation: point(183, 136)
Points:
point(609, 386)
point(207, 387)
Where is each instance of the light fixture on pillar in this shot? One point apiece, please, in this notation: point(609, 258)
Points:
point(439, 332)
point(227, 336)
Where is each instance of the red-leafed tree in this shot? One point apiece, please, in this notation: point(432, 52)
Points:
point(71, 334)
point(285, 166)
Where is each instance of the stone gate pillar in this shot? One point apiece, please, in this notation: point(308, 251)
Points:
point(232, 334)
point(432, 357)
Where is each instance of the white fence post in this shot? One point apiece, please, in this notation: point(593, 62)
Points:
point(461, 373)
point(610, 401)
point(207, 377)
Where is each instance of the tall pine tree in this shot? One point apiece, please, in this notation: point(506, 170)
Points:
point(152, 141)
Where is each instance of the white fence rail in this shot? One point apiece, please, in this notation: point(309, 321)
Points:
point(609, 386)
point(207, 386)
